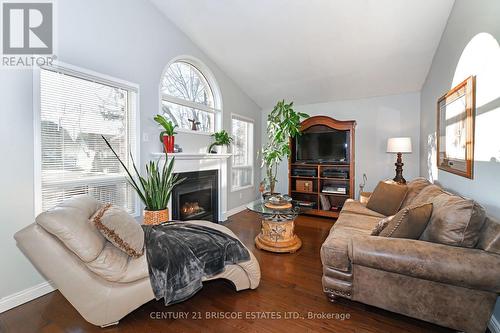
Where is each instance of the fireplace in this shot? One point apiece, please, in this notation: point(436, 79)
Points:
point(196, 198)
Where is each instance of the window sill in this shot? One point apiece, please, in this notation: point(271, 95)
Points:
point(186, 131)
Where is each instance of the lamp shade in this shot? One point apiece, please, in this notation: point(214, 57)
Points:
point(399, 145)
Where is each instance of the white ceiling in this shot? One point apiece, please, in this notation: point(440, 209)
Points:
point(313, 51)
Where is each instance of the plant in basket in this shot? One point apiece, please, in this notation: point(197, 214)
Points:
point(154, 188)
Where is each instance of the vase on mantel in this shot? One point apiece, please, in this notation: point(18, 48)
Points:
point(168, 143)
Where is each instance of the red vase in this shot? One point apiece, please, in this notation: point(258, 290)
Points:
point(168, 143)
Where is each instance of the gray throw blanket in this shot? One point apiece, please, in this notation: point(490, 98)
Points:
point(180, 254)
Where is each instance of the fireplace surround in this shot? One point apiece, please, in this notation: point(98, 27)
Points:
point(196, 198)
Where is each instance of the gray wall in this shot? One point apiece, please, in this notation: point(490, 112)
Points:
point(377, 118)
point(454, 60)
point(127, 39)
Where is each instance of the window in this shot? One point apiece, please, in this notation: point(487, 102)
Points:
point(187, 97)
point(242, 168)
point(75, 110)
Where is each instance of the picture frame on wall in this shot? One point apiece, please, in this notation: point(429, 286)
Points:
point(455, 129)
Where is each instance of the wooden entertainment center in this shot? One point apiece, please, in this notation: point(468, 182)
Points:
point(318, 184)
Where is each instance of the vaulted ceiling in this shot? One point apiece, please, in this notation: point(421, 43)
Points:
point(313, 51)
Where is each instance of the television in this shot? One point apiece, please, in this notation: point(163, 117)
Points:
point(326, 146)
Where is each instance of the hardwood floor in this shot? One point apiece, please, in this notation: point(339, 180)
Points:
point(290, 286)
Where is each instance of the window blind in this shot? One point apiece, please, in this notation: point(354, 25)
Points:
point(242, 166)
point(75, 110)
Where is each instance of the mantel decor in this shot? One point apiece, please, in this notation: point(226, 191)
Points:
point(455, 129)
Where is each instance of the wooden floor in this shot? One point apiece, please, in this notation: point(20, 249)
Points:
point(290, 285)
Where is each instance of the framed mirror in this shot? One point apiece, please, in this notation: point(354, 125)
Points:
point(455, 129)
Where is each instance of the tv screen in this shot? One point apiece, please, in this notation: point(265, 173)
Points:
point(322, 147)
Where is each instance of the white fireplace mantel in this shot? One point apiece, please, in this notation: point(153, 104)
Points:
point(194, 156)
point(188, 162)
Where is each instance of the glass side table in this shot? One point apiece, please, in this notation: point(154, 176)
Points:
point(277, 228)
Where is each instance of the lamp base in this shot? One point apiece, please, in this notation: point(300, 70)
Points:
point(399, 170)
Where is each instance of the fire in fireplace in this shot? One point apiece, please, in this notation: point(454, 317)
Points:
point(191, 210)
point(197, 197)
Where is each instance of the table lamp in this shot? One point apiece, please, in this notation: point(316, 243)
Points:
point(399, 146)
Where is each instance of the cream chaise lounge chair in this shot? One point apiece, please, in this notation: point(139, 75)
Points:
point(98, 279)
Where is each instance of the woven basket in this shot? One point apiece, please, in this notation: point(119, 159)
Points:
point(152, 217)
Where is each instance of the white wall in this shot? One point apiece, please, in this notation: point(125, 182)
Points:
point(468, 47)
point(377, 118)
point(127, 39)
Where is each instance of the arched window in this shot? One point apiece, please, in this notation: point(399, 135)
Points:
point(190, 98)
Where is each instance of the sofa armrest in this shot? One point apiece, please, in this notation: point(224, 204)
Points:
point(364, 197)
point(464, 267)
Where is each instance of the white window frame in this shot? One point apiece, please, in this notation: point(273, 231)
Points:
point(251, 154)
point(214, 87)
point(88, 75)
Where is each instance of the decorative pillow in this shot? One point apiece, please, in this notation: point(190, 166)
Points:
point(409, 222)
point(120, 229)
point(381, 225)
point(455, 221)
point(69, 222)
point(387, 198)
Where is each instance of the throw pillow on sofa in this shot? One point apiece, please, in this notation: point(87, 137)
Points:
point(120, 229)
point(381, 225)
point(410, 222)
point(387, 198)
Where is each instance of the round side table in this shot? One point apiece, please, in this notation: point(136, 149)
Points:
point(277, 228)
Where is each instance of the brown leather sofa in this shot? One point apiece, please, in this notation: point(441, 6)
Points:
point(450, 276)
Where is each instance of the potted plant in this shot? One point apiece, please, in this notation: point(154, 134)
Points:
point(167, 135)
point(283, 123)
point(154, 189)
point(222, 139)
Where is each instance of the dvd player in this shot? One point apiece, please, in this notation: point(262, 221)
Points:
point(305, 172)
point(336, 174)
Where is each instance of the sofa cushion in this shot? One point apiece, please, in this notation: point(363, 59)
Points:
point(356, 207)
point(414, 188)
point(387, 198)
point(409, 222)
point(334, 249)
point(120, 229)
point(427, 194)
point(489, 239)
point(69, 222)
point(454, 221)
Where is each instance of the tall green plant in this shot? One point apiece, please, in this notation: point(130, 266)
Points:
point(155, 188)
point(169, 127)
point(283, 123)
point(222, 138)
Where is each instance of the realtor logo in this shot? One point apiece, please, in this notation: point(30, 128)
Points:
point(27, 28)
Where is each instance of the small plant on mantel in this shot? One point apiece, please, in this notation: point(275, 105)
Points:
point(155, 188)
point(167, 135)
point(283, 123)
point(222, 138)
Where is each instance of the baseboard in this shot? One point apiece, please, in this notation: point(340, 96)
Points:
point(494, 325)
point(24, 296)
point(236, 210)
